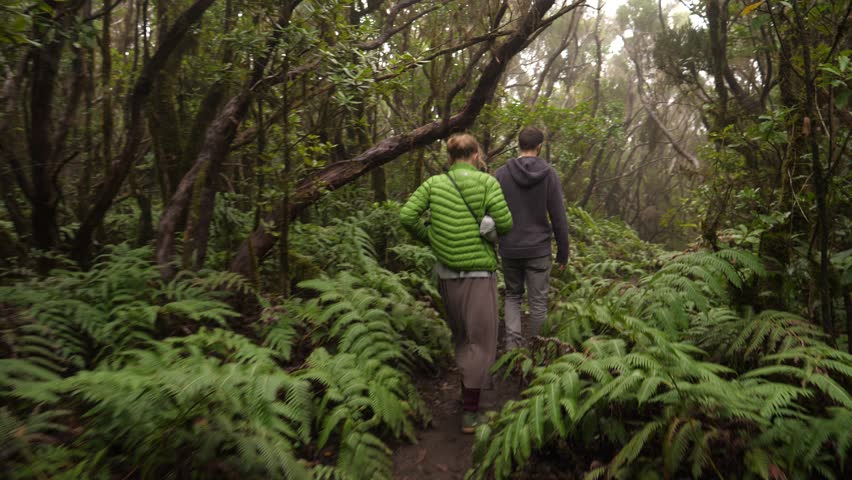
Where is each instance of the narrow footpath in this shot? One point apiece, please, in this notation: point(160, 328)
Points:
point(442, 451)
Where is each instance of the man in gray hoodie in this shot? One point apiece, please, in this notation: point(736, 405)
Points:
point(533, 192)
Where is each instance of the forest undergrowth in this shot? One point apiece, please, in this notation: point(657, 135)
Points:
point(114, 373)
point(652, 365)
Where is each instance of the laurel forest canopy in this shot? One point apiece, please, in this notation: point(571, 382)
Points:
point(203, 275)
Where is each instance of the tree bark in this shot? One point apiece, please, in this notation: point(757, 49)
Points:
point(717, 26)
point(821, 184)
point(106, 78)
point(596, 83)
point(84, 185)
point(44, 136)
point(847, 305)
point(284, 232)
point(593, 176)
point(9, 145)
point(215, 149)
point(166, 124)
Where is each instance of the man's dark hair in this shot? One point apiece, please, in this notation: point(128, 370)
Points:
point(530, 138)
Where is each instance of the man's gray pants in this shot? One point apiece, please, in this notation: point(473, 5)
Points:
point(535, 274)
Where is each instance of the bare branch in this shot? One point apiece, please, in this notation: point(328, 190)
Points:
point(103, 11)
point(653, 115)
point(389, 30)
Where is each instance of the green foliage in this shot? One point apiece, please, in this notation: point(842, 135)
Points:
point(371, 315)
point(230, 224)
point(682, 53)
point(361, 395)
point(572, 130)
point(153, 381)
point(657, 364)
point(78, 319)
point(213, 398)
point(416, 263)
point(648, 369)
point(603, 240)
point(625, 386)
point(368, 336)
point(341, 246)
point(838, 75)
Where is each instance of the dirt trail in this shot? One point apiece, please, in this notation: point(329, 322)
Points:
point(442, 451)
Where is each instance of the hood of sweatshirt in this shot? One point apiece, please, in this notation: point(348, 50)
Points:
point(528, 171)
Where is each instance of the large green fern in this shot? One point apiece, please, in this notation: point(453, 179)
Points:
point(214, 394)
point(624, 382)
point(120, 303)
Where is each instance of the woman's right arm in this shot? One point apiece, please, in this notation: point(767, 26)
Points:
point(413, 210)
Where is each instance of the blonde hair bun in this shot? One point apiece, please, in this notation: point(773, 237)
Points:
point(461, 146)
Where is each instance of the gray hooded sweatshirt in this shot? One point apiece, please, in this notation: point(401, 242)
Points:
point(533, 192)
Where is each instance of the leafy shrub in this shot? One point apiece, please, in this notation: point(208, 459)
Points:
point(79, 319)
point(114, 372)
point(626, 388)
point(212, 402)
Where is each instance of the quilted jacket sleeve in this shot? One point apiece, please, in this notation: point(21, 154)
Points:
point(413, 209)
point(496, 206)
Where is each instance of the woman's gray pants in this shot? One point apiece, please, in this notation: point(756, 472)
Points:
point(471, 305)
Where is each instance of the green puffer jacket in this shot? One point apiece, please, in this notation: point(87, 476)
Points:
point(453, 233)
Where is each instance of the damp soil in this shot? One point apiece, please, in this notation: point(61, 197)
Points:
point(442, 451)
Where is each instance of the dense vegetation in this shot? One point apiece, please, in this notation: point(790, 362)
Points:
point(116, 372)
point(654, 369)
point(202, 273)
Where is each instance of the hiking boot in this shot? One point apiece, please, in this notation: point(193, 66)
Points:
point(471, 420)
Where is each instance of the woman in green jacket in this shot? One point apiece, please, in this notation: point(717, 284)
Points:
point(466, 262)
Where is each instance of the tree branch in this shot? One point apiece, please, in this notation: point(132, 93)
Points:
point(653, 115)
point(103, 11)
point(389, 29)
